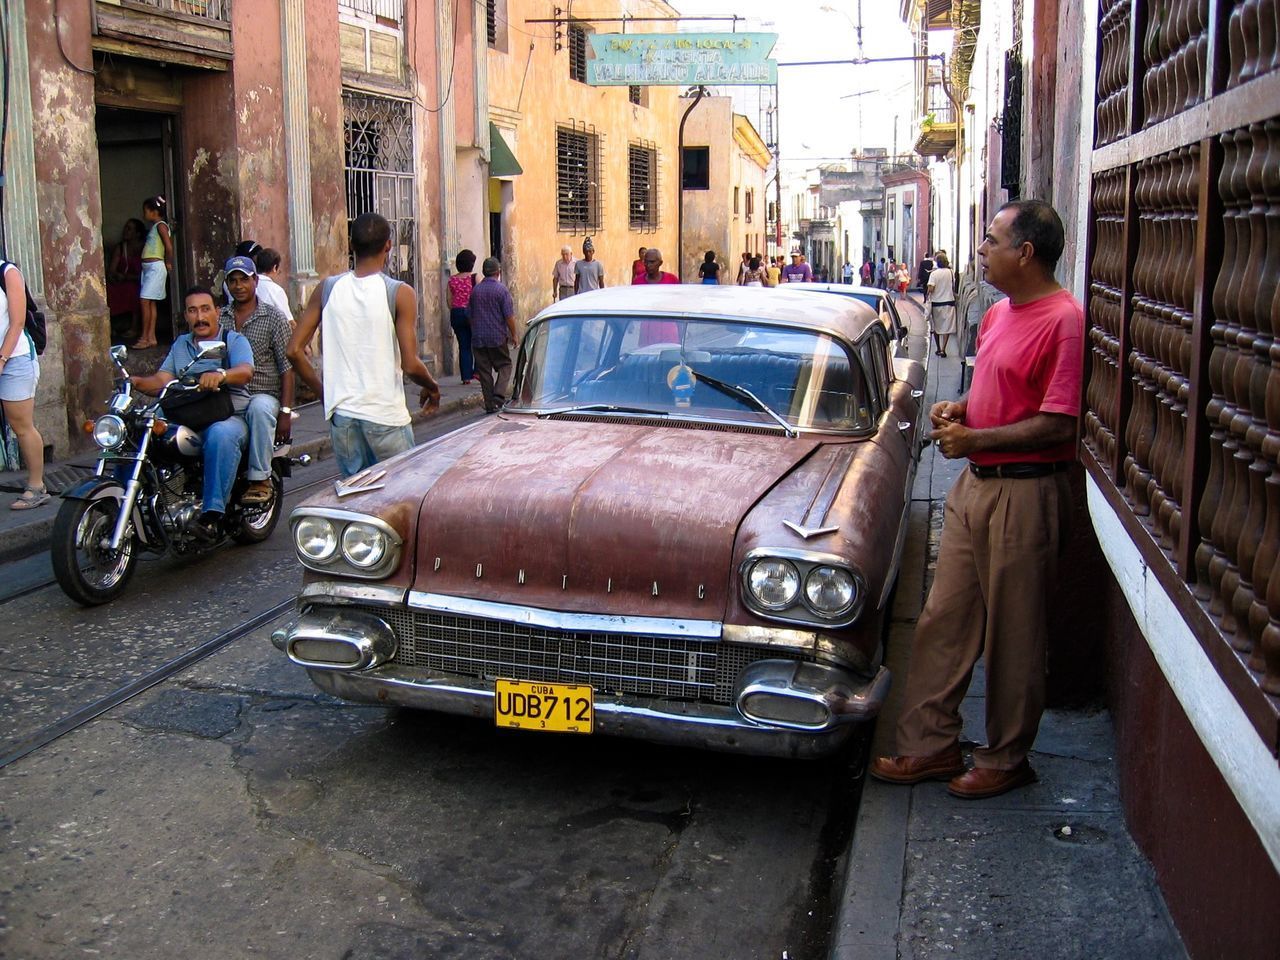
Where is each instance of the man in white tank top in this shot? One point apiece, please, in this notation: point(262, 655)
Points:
point(366, 347)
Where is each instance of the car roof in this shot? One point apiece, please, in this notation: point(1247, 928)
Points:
point(847, 289)
point(800, 309)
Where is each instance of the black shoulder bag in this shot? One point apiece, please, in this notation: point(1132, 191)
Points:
point(198, 409)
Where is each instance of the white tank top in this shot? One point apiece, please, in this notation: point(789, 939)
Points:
point(361, 358)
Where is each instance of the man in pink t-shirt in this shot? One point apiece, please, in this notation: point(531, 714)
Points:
point(1005, 519)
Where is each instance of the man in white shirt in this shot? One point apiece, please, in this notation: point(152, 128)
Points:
point(366, 346)
point(267, 261)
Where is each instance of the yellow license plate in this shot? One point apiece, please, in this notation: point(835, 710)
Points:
point(557, 707)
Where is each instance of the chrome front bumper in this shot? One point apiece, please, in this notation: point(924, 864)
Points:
point(782, 708)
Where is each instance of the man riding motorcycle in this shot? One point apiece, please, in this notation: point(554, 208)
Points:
point(222, 442)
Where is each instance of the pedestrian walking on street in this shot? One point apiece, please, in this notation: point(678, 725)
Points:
point(637, 265)
point(846, 273)
point(1005, 520)
point(562, 275)
point(797, 271)
point(940, 303)
point(493, 334)
point(460, 286)
point(269, 413)
point(880, 273)
point(868, 271)
point(157, 261)
point(742, 268)
point(370, 337)
point(773, 270)
point(709, 270)
point(755, 275)
point(19, 374)
point(588, 273)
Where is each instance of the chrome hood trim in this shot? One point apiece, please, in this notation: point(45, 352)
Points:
point(559, 620)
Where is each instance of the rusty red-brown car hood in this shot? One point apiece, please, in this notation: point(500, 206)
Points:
point(597, 517)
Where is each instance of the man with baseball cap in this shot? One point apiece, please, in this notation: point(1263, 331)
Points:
point(270, 411)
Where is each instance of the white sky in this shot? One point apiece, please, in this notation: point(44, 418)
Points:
point(816, 124)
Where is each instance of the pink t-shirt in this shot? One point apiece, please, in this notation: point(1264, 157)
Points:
point(1030, 360)
point(460, 287)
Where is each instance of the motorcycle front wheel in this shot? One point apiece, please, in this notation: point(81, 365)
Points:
point(86, 568)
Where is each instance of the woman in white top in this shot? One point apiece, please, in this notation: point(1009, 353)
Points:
point(19, 372)
point(941, 298)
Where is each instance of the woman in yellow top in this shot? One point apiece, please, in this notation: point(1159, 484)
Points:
point(157, 261)
point(773, 271)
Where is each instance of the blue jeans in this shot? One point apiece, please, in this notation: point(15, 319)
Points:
point(261, 416)
point(358, 444)
point(460, 320)
point(222, 443)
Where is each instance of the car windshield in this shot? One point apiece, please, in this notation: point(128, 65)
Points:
point(665, 367)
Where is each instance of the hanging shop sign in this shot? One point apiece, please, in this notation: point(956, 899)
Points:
point(681, 59)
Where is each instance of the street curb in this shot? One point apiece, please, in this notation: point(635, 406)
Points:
point(867, 924)
point(27, 539)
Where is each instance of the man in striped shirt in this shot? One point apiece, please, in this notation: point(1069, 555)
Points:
point(270, 411)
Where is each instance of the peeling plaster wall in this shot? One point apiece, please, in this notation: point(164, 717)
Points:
point(261, 174)
point(420, 41)
point(324, 101)
point(208, 173)
point(75, 371)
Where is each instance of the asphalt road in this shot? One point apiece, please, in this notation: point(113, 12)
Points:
point(233, 811)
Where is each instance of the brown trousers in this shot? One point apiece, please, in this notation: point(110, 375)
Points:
point(493, 370)
point(996, 565)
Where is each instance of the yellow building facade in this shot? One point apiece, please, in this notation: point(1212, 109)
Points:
point(724, 198)
point(597, 162)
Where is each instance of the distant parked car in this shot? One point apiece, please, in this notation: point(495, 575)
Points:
point(873, 297)
point(684, 527)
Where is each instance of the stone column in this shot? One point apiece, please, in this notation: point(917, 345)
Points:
point(297, 141)
point(21, 212)
point(447, 145)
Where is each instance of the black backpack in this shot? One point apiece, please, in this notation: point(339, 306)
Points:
point(35, 325)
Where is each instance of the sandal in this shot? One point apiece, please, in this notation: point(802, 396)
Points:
point(259, 491)
point(30, 499)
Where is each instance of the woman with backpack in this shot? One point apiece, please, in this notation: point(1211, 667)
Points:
point(157, 261)
point(19, 373)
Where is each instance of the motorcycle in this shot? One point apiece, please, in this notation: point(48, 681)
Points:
point(145, 495)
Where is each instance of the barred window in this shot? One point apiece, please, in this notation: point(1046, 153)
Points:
point(577, 53)
point(751, 204)
point(491, 20)
point(633, 94)
point(578, 193)
point(735, 200)
point(642, 185)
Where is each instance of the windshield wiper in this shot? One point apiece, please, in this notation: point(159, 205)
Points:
point(604, 408)
point(742, 393)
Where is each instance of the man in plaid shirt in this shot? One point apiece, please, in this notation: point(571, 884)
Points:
point(270, 411)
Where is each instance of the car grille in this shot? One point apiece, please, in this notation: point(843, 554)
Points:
point(669, 668)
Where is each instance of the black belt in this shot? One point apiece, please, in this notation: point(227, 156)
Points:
point(1018, 471)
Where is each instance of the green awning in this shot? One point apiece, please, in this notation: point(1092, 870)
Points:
point(502, 162)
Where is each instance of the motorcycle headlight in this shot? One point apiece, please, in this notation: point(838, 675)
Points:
point(315, 538)
point(108, 431)
point(363, 545)
point(830, 591)
point(774, 583)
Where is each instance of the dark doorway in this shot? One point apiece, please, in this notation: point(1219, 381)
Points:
point(136, 153)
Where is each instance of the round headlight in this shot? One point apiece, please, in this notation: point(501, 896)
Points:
point(773, 583)
point(108, 431)
point(830, 591)
point(363, 545)
point(315, 538)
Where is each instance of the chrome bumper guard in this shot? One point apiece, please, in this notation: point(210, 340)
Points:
point(337, 640)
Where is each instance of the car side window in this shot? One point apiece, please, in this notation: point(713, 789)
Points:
point(874, 354)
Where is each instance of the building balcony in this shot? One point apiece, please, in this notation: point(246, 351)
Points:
point(936, 131)
point(192, 32)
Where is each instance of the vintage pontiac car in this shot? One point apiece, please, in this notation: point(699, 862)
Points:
point(684, 527)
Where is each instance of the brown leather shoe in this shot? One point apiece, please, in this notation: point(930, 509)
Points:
point(942, 765)
point(981, 782)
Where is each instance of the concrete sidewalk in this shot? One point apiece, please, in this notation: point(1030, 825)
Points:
point(25, 532)
point(1049, 871)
